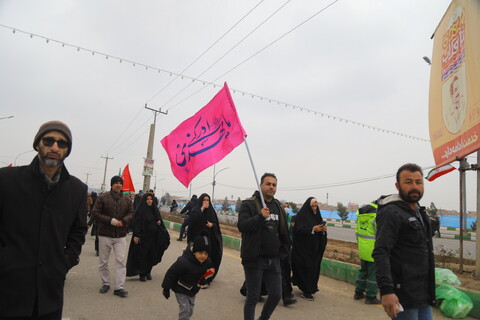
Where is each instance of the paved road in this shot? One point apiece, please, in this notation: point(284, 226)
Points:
point(451, 245)
point(221, 301)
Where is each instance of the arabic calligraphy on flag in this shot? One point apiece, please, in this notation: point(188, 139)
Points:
point(204, 139)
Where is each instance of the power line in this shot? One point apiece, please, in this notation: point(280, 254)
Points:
point(204, 52)
point(226, 53)
point(214, 85)
point(327, 185)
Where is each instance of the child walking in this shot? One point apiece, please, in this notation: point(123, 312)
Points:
point(187, 274)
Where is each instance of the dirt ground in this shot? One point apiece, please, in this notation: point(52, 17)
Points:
point(348, 252)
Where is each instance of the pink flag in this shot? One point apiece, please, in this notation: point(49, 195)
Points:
point(204, 139)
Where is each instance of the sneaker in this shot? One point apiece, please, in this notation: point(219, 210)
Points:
point(121, 293)
point(372, 300)
point(307, 296)
point(203, 286)
point(358, 296)
point(104, 288)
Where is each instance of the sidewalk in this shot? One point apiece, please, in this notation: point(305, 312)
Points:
point(221, 301)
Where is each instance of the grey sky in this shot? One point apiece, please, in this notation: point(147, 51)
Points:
point(358, 60)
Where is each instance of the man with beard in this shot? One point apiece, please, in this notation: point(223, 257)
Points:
point(43, 221)
point(113, 212)
point(265, 242)
point(403, 251)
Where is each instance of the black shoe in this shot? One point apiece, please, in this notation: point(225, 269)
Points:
point(372, 300)
point(307, 296)
point(289, 300)
point(96, 253)
point(143, 279)
point(358, 296)
point(179, 239)
point(121, 293)
point(149, 276)
point(104, 288)
point(261, 299)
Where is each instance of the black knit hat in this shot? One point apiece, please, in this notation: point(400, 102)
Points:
point(115, 179)
point(201, 243)
point(53, 126)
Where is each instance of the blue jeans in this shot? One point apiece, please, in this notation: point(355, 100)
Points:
point(422, 313)
point(269, 270)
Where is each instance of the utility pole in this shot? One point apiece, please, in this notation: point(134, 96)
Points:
point(148, 166)
point(86, 182)
point(104, 172)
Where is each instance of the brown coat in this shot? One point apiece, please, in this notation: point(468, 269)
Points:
point(111, 205)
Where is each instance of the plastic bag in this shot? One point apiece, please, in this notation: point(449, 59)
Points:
point(446, 276)
point(455, 304)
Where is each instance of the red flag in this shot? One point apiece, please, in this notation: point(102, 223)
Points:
point(204, 139)
point(127, 180)
point(10, 164)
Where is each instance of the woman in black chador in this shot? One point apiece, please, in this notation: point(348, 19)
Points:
point(309, 241)
point(204, 217)
point(149, 241)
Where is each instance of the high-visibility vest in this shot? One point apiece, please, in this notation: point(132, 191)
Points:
point(365, 231)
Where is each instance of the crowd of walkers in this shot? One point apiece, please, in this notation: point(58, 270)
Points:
point(41, 240)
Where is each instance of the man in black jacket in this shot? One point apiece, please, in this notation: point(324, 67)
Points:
point(403, 251)
point(43, 222)
point(265, 241)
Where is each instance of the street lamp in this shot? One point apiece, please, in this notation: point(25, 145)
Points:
point(213, 183)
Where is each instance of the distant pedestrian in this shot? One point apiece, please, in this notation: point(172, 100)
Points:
point(204, 218)
point(187, 274)
point(149, 241)
point(403, 253)
point(43, 222)
point(309, 242)
point(113, 212)
point(174, 206)
point(186, 212)
point(286, 264)
point(366, 283)
point(265, 241)
point(136, 200)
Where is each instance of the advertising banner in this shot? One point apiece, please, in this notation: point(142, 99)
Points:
point(454, 106)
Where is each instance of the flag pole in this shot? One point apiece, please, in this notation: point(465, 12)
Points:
point(254, 172)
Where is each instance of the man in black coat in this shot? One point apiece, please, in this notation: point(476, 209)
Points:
point(265, 241)
point(43, 222)
point(403, 253)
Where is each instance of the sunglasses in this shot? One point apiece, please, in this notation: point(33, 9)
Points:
point(49, 141)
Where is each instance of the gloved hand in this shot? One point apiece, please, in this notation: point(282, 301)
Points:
point(166, 293)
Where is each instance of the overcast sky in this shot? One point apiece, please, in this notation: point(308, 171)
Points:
point(357, 60)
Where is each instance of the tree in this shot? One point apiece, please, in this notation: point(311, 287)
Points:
point(342, 211)
point(238, 204)
point(167, 198)
point(432, 210)
point(226, 205)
